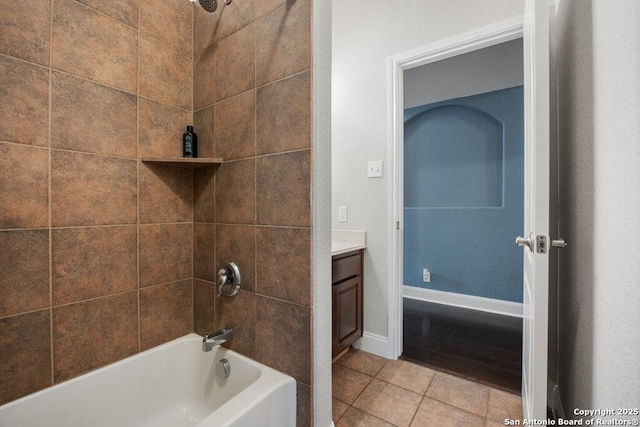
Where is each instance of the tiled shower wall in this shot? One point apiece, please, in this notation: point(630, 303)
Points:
point(252, 106)
point(95, 246)
point(97, 249)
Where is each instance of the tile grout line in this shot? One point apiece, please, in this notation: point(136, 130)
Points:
point(49, 194)
point(255, 165)
point(193, 172)
point(72, 227)
point(216, 300)
point(139, 316)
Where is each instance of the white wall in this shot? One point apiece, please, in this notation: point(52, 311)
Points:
point(481, 71)
point(365, 34)
point(598, 107)
point(321, 387)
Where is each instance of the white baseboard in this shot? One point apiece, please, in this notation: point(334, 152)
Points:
point(372, 343)
point(507, 308)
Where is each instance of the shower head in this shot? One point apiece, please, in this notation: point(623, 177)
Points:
point(209, 5)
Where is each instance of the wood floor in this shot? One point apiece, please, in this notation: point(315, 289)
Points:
point(480, 346)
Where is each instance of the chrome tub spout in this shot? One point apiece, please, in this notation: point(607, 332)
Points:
point(218, 337)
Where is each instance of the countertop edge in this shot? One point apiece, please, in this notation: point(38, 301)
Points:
point(343, 248)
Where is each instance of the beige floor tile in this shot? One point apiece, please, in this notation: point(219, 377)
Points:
point(357, 418)
point(491, 423)
point(362, 361)
point(407, 375)
point(503, 405)
point(464, 394)
point(434, 413)
point(389, 402)
point(337, 409)
point(347, 384)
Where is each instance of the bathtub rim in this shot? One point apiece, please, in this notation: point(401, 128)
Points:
point(267, 382)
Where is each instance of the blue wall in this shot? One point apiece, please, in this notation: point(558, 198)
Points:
point(464, 184)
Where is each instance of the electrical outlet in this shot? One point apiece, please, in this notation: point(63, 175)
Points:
point(342, 214)
point(374, 169)
point(426, 276)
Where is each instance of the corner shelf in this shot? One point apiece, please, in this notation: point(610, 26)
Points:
point(183, 162)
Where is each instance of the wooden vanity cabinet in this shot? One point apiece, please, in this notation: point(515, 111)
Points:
point(346, 281)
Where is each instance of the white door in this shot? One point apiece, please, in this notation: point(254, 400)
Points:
point(536, 212)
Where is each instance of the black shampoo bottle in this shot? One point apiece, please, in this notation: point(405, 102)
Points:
point(189, 143)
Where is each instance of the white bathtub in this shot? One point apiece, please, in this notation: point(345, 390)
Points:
point(174, 385)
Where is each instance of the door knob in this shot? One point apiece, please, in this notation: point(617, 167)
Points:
point(525, 241)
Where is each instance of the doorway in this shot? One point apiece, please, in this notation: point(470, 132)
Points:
point(463, 203)
point(412, 269)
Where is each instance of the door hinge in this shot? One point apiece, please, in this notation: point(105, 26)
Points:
point(397, 225)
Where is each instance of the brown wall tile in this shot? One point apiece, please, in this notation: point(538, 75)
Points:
point(233, 17)
point(24, 110)
point(283, 189)
point(235, 63)
point(165, 73)
point(203, 126)
point(235, 192)
point(290, 247)
point(93, 262)
point(24, 29)
point(96, 190)
point(284, 115)
point(165, 193)
point(24, 180)
point(94, 333)
point(169, 21)
point(24, 271)
point(166, 313)
point(237, 243)
point(283, 42)
point(204, 194)
point(288, 352)
point(239, 314)
point(91, 45)
point(123, 10)
point(204, 265)
point(204, 302)
point(87, 189)
point(204, 29)
point(235, 124)
point(89, 117)
point(161, 129)
point(26, 363)
point(265, 6)
point(304, 405)
point(165, 253)
point(213, 27)
point(203, 78)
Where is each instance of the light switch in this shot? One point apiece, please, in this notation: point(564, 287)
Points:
point(374, 169)
point(426, 276)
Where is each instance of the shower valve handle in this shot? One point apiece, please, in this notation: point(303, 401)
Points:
point(229, 277)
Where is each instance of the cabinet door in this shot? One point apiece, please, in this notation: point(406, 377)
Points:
point(347, 313)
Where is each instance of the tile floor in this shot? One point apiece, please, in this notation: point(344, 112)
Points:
point(371, 391)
